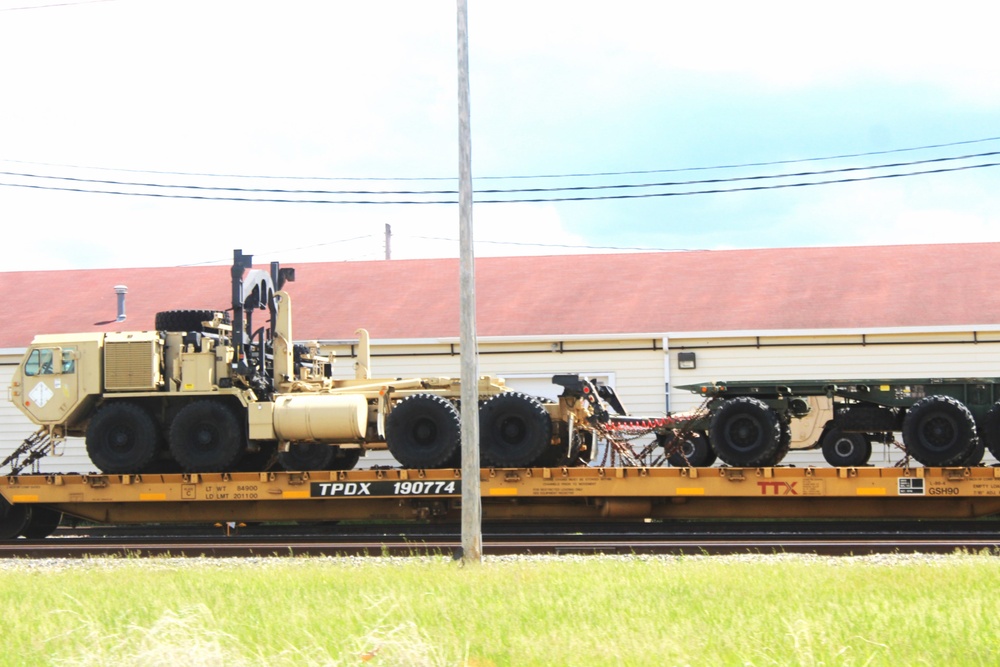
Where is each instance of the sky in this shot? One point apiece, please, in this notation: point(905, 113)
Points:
point(135, 130)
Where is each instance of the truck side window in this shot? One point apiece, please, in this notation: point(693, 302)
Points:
point(69, 360)
point(39, 363)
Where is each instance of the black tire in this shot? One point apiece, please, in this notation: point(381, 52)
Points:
point(307, 456)
point(694, 450)
point(846, 450)
point(784, 444)
point(563, 455)
point(745, 432)
point(344, 459)
point(206, 436)
point(184, 320)
point(263, 459)
point(990, 432)
point(14, 519)
point(939, 431)
point(515, 430)
point(976, 454)
point(122, 438)
point(423, 431)
point(43, 522)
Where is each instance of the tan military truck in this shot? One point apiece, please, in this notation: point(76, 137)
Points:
point(207, 391)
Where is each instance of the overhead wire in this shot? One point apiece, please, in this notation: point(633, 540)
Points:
point(506, 190)
point(908, 149)
point(506, 201)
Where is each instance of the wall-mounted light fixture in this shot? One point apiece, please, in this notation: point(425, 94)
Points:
point(686, 360)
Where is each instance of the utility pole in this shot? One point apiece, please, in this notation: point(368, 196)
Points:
point(472, 512)
point(388, 241)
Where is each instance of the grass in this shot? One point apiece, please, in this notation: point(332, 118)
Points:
point(784, 610)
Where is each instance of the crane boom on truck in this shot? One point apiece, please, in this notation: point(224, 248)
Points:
point(215, 391)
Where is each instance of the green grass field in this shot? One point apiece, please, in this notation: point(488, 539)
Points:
point(750, 610)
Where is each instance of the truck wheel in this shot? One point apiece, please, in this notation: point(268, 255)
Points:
point(307, 456)
point(423, 431)
point(515, 430)
point(122, 438)
point(206, 436)
point(13, 519)
point(43, 522)
point(694, 450)
point(344, 459)
point(745, 432)
point(939, 431)
point(846, 450)
point(564, 455)
point(183, 320)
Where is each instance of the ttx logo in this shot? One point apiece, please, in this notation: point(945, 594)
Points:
point(778, 488)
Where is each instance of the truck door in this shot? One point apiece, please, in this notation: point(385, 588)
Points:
point(51, 387)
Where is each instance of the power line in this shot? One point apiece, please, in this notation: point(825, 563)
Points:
point(549, 245)
point(800, 174)
point(501, 201)
point(510, 177)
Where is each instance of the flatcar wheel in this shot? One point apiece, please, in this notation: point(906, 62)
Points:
point(939, 431)
point(745, 432)
point(846, 450)
point(206, 436)
point(122, 438)
point(14, 519)
point(307, 456)
point(694, 450)
point(514, 430)
point(423, 431)
point(43, 522)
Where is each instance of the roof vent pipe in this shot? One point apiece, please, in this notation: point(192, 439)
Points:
point(121, 291)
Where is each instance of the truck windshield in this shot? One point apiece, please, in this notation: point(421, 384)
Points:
point(40, 362)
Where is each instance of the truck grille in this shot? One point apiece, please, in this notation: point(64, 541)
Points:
point(131, 366)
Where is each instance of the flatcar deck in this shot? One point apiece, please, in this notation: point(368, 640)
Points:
point(524, 493)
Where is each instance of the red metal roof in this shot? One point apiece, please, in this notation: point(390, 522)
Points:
point(564, 295)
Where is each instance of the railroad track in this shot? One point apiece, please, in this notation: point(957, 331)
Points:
point(403, 540)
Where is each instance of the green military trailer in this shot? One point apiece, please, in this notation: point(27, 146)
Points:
point(943, 422)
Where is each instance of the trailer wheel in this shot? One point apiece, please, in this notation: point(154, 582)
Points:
point(423, 431)
point(307, 456)
point(976, 454)
point(184, 320)
point(42, 523)
point(122, 438)
point(13, 519)
point(515, 430)
point(694, 450)
point(939, 431)
point(206, 436)
point(784, 444)
point(990, 434)
point(745, 432)
point(846, 450)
